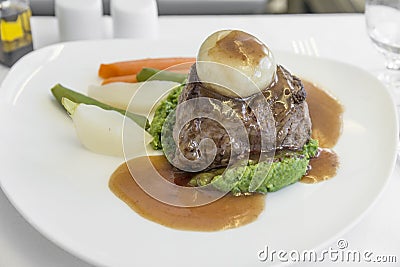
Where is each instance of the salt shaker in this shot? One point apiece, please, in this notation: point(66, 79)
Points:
point(135, 19)
point(80, 20)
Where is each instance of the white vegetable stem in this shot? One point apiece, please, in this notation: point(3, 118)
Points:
point(120, 94)
point(102, 131)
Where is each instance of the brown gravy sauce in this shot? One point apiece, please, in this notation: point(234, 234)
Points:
point(326, 117)
point(322, 167)
point(239, 47)
point(229, 211)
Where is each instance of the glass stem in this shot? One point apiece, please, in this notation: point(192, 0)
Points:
point(391, 77)
point(392, 63)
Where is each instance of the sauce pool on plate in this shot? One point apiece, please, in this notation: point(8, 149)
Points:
point(326, 115)
point(230, 211)
point(227, 212)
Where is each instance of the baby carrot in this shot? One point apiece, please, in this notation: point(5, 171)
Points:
point(134, 66)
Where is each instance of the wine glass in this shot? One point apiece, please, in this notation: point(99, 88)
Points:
point(383, 27)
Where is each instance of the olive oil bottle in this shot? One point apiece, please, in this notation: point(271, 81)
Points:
point(15, 30)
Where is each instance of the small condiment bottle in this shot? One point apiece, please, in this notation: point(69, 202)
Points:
point(80, 19)
point(135, 19)
point(15, 30)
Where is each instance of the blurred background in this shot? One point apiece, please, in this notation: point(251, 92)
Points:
point(226, 7)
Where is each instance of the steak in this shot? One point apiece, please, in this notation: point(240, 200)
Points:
point(281, 109)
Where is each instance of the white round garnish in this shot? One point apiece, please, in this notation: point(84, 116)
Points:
point(235, 63)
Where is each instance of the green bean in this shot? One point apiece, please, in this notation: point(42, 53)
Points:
point(60, 91)
point(154, 74)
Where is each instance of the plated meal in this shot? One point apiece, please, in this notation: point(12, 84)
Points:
point(232, 122)
point(62, 189)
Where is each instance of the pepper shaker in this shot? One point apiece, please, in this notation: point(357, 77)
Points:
point(80, 20)
point(135, 19)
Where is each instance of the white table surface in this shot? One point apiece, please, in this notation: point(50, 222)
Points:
point(340, 37)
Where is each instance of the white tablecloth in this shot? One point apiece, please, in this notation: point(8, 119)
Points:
point(340, 37)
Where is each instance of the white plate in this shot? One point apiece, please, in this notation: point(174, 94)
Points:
point(62, 189)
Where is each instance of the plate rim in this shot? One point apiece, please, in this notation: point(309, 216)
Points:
point(91, 260)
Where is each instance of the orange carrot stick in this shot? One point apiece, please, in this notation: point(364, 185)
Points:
point(134, 66)
point(125, 78)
